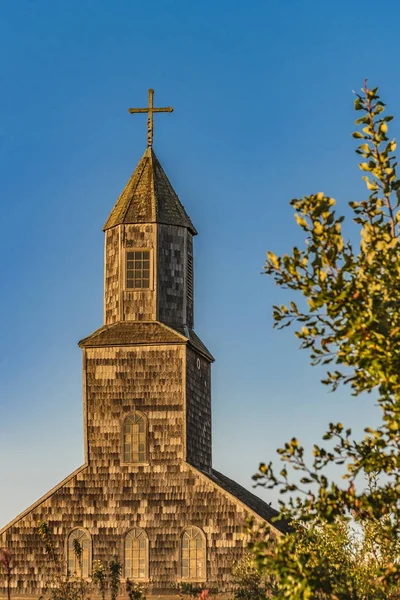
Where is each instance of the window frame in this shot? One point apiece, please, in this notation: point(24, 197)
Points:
point(147, 557)
point(90, 553)
point(146, 429)
point(204, 538)
point(125, 270)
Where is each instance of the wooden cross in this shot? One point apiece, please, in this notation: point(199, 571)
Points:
point(151, 110)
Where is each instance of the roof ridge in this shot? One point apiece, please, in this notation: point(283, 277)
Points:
point(144, 160)
point(128, 333)
point(230, 494)
point(154, 202)
point(180, 206)
point(173, 330)
point(103, 328)
point(43, 498)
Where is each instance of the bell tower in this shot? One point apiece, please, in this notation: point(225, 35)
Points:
point(146, 358)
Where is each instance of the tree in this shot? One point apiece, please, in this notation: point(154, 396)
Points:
point(351, 322)
point(99, 575)
point(249, 582)
point(60, 585)
point(342, 560)
point(115, 570)
point(6, 561)
point(135, 590)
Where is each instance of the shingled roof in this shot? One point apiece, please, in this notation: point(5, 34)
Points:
point(149, 197)
point(261, 508)
point(195, 342)
point(126, 333)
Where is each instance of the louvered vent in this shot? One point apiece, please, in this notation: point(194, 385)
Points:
point(190, 278)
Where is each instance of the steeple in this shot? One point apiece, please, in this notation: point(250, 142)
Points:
point(148, 197)
point(149, 247)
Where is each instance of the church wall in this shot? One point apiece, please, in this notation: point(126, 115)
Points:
point(139, 305)
point(171, 274)
point(144, 378)
point(162, 499)
point(111, 275)
point(198, 410)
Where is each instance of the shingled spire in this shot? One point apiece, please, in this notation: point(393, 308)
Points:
point(149, 197)
point(149, 247)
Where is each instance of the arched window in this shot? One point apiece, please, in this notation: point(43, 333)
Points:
point(136, 553)
point(134, 439)
point(79, 553)
point(193, 554)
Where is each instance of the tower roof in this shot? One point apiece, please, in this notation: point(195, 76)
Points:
point(149, 197)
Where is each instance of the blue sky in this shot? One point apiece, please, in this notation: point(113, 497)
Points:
point(262, 93)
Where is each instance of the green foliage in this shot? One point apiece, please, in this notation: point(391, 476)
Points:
point(351, 324)
point(250, 583)
point(195, 590)
point(337, 560)
point(99, 576)
point(60, 585)
point(78, 551)
point(48, 542)
point(135, 591)
point(115, 569)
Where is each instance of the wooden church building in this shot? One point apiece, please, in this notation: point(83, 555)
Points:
point(147, 490)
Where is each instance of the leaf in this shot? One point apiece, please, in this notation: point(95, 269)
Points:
point(273, 259)
point(371, 185)
point(300, 221)
point(318, 229)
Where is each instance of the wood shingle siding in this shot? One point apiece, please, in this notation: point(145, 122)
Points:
point(108, 502)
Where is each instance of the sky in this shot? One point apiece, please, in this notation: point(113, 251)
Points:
point(263, 112)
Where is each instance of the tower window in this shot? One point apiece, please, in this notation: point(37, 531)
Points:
point(79, 547)
point(136, 554)
point(138, 269)
point(193, 555)
point(134, 439)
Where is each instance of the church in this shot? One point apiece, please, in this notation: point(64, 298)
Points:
point(147, 490)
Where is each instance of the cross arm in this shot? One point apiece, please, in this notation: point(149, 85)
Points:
point(145, 110)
